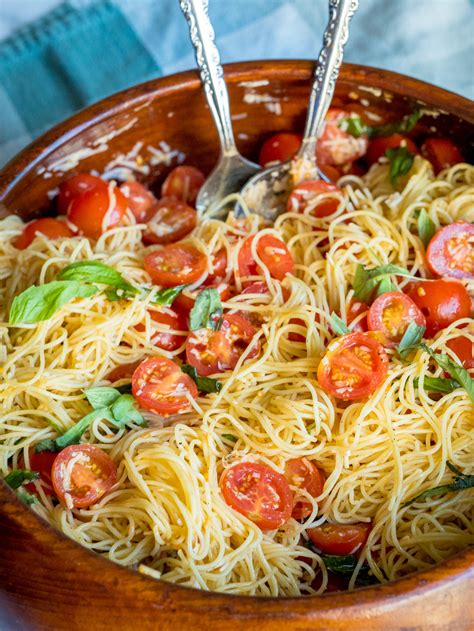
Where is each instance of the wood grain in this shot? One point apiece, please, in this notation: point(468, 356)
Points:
point(48, 582)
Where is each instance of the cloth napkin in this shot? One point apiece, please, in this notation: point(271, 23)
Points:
point(79, 51)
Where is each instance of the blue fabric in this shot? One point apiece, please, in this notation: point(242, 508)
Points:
point(83, 50)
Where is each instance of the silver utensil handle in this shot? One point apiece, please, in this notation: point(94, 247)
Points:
point(212, 74)
point(326, 72)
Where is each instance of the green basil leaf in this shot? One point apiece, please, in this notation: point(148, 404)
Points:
point(455, 370)
point(344, 565)
point(204, 384)
point(461, 482)
point(124, 409)
point(166, 297)
point(96, 272)
point(26, 497)
point(206, 311)
point(385, 285)
point(389, 269)
point(338, 325)
point(125, 389)
point(17, 477)
point(363, 285)
point(354, 126)
point(401, 161)
point(48, 444)
point(74, 434)
point(36, 304)
point(230, 437)
point(410, 339)
point(403, 126)
point(426, 227)
point(114, 295)
point(438, 384)
point(101, 396)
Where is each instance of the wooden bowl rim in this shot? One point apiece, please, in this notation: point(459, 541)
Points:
point(385, 596)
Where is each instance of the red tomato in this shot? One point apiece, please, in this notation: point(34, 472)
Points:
point(185, 301)
point(169, 220)
point(49, 227)
point(160, 386)
point(451, 251)
point(442, 302)
point(273, 253)
point(442, 153)
point(125, 371)
point(97, 209)
point(175, 264)
point(139, 198)
point(279, 148)
point(74, 186)
point(353, 367)
point(356, 308)
point(258, 288)
point(378, 146)
point(169, 321)
point(330, 172)
point(308, 192)
point(463, 348)
point(258, 492)
point(219, 267)
point(217, 351)
point(304, 474)
point(183, 183)
point(41, 462)
point(339, 538)
point(91, 476)
point(335, 146)
point(391, 313)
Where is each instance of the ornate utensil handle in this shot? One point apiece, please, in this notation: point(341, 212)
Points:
point(327, 71)
point(212, 75)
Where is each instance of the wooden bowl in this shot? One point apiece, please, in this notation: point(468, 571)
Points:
point(48, 581)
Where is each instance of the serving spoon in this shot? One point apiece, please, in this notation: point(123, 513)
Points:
point(232, 169)
point(266, 193)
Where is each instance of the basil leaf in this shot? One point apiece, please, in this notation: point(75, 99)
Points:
point(363, 285)
point(230, 437)
point(36, 304)
point(101, 396)
point(206, 311)
point(17, 477)
point(354, 126)
point(385, 285)
point(124, 409)
point(345, 565)
point(338, 325)
point(389, 269)
point(166, 297)
point(204, 384)
point(460, 482)
point(368, 281)
point(96, 272)
point(48, 444)
point(455, 370)
point(114, 295)
point(74, 434)
point(438, 384)
point(401, 161)
point(26, 497)
point(403, 126)
point(426, 227)
point(125, 389)
point(410, 339)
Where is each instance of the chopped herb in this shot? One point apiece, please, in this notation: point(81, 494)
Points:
point(338, 325)
point(426, 227)
point(204, 384)
point(230, 437)
point(354, 126)
point(124, 410)
point(345, 565)
point(438, 384)
point(17, 477)
point(455, 370)
point(460, 482)
point(101, 396)
point(411, 339)
point(401, 161)
point(388, 269)
point(26, 497)
point(206, 311)
point(368, 282)
point(96, 272)
point(385, 285)
point(166, 297)
point(402, 126)
point(364, 286)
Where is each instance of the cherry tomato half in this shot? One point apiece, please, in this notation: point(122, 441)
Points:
point(139, 199)
point(273, 253)
point(391, 313)
point(176, 264)
point(339, 538)
point(279, 148)
point(217, 351)
point(74, 186)
point(47, 226)
point(353, 367)
point(451, 251)
point(169, 220)
point(183, 183)
point(442, 302)
point(166, 336)
point(378, 146)
point(42, 462)
point(124, 371)
point(82, 474)
point(258, 492)
point(160, 386)
point(309, 193)
point(97, 209)
point(463, 348)
point(442, 153)
point(219, 268)
point(335, 146)
point(304, 474)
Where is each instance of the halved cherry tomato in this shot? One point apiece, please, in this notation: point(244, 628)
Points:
point(279, 148)
point(124, 371)
point(355, 308)
point(82, 474)
point(339, 538)
point(97, 209)
point(273, 253)
point(442, 153)
point(185, 301)
point(304, 474)
point(42, 462)
point(74, 186)
point(451, 251)
point(378, 146)
point(307, 193)
point(442, 302)
point(391, 313)
point(175, 264)
point(170, 321)
point(183, 183)
point(463, 348)
point(160, 386)
point(217, 351)
point(353, 367)
point(330, 172)
point(335, 146)
point(139, 198)
point(47, 226)
point(219, 267)
point(258, 492)
point(169, 220)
